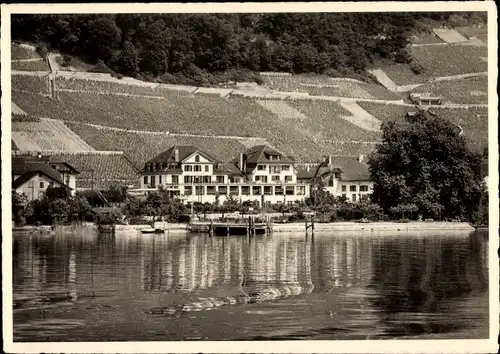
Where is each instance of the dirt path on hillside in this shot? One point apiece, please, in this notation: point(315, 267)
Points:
point(280, 94)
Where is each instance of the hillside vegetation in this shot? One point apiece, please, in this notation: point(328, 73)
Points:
point(203, 49)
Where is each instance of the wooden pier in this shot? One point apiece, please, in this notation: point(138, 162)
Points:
point(233, 227)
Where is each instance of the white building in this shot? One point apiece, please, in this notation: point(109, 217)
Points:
point(32, 176)
point(260, 174)
point(342, 176)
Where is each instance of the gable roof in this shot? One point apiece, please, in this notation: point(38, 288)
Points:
point(259, 153)
point(185, 151)
point(349, 167)
point(352, 169)
point(35, 169)
point(58, 161)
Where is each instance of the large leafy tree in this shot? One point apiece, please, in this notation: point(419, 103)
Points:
point(424, 161)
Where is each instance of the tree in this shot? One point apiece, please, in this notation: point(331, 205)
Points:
point(53, 193)
point(79, 208)
point(423, 161)
point(21, 208)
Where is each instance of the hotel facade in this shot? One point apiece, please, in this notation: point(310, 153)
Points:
point(260, 174)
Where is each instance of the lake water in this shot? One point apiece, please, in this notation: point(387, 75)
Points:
point(82, 286)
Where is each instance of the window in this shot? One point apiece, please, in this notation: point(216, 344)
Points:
point(288, 179)
point(256, 190)
point(352, 188)
point(330, 182)
point(66, 181)
point(207, 179)
point(274, 169)
point(267, 190)
point(159, 179)
point(268, 204)
point(278, 190)
point(275, 178)
point(301, 190)
point(285, 167)
point(188, 179)
point(146, 180)
point(197, 168)
point(344, 188)
point(262, 179)
point(206, 168)
point(289, 190)
point(200, 190)
point(188, 168)
point(175, 179)
point(363, 188)
point(219, 179)
point(261, 167)
point(153, 181)
point(42, 185)
point(289, 203)
point(234, 190)
point(353, 197)
point(210, 190)
point(223, 190)
point(51, 184)
point(245, 190)
point(188, 190)
point(197, 158)
point(344, 196)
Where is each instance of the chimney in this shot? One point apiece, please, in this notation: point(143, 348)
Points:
point(176, 155)
point(361, 157)
point(240, 162)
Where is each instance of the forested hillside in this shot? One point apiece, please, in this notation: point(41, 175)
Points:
point(202, 49)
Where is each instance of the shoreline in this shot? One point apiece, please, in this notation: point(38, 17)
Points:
point(299, 227)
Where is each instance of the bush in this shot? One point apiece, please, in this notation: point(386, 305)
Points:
point(100, 67)
point(66, 61)
point(416, 68)
point(42, 50)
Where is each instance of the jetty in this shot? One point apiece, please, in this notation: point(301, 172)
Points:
point(249, 226)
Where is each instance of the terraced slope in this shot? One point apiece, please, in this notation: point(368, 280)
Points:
point(439, 61)
point(326, 86)
point(108, 169)
point(30, 65)
point(474, 121)
point(23, 52)
point(46, 135)
point(327, 119)
point(473, 90)
point(140, 147)
point(143, 121)
point(30, 83)
point(450, 59)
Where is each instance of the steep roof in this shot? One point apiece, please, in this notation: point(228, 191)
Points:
point(21, 165)
point(184, 152)
point(352, 169)
point(33, 169)
point(349, 167)
point(260, 153)
point(228, 169)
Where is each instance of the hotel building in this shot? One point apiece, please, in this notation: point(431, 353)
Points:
point(260, 174)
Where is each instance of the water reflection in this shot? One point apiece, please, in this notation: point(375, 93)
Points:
point(329, 287)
